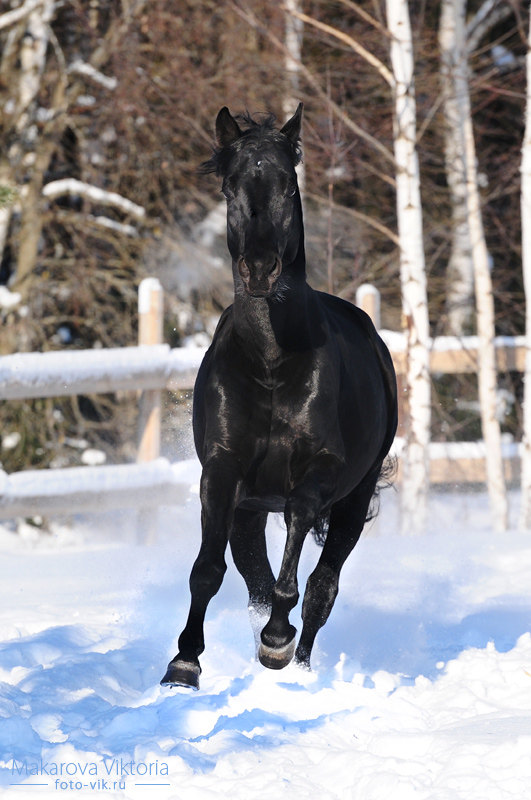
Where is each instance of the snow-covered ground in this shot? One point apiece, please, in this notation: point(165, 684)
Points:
point(421, 686)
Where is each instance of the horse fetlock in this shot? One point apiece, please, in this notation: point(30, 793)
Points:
point(276, 635)
point(285, 596)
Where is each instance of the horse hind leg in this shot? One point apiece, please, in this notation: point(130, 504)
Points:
point(249, 552)
point(347, 519)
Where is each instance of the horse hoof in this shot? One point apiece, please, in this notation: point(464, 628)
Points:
point(276, 657)
point(182, 673)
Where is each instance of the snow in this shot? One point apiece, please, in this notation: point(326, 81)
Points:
point(420, 689)
point(396, 342)
point(9, 299)
point(461, 450)
point(92, 488)
point(64, 372)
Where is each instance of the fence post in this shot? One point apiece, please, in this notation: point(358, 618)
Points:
point(368, 299)
point(150, 317)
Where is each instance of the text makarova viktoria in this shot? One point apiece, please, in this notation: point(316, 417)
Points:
point(108, 767)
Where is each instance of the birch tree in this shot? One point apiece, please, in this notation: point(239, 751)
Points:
point(460, 269)
point(457, 40)
point(469, 235)
point(412, 272)
point(40, 84)
point(525, 513)
point(415, 455)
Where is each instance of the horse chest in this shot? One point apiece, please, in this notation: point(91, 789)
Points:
point(296, 422)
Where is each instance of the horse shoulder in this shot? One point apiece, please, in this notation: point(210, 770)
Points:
point(356, 328)
point(353, 321)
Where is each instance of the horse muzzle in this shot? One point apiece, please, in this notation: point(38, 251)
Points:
point(260, 277)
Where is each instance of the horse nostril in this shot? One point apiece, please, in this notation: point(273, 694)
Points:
point(276, 268)
point(244, 271)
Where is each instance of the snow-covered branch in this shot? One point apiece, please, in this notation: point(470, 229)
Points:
point(71, 186)
point(111, 224)
point(14, 16)
point(93, 74)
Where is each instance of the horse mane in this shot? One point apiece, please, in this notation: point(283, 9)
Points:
point(259, 129)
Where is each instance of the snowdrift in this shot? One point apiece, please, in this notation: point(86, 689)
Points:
point(421, 686)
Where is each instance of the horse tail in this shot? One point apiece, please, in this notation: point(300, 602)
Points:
point(320, 528)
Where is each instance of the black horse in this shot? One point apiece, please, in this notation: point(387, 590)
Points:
point(294, 407)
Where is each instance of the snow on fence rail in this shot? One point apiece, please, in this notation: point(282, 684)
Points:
point(87, 489)
point(58, 373)
point(153, 367)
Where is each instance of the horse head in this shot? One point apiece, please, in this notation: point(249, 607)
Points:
point(264, 213)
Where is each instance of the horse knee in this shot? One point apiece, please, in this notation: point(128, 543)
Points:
point(207, 576)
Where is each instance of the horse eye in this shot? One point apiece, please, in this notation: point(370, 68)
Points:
point(292, 188)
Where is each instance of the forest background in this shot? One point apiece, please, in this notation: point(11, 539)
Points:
point(106, 113)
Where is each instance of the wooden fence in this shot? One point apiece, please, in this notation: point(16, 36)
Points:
point(152, 367)
point(451, 463)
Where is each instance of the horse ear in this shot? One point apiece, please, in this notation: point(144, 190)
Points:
point(227, 129)
point(292, 128)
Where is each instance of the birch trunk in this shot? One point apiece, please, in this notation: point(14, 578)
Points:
point(412, 272)
point(453, 14)
point(32, 64)
point(525, 513)
point(460, 270)
point(293, 41)
point(5, 208)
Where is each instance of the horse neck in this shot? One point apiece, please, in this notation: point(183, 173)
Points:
point(271, 328)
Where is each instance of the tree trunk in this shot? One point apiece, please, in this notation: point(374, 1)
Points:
point(32, 62)
point(460, 270)
point(525, 513)
point(412, 272)
point(453, 22)
point(6, 184)
point(293, 41)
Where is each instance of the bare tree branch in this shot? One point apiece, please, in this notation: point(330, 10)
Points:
point(486, 17)
point(254, 22)
point(372, 222)
point(349, 41)
point(366, 16)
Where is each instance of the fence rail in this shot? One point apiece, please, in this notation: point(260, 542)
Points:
point(24, 376)
point(153, 367)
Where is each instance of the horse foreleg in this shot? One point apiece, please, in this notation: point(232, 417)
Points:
point(347, 518)
point(220, 487)
point(248, 546)
point(309, 498)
